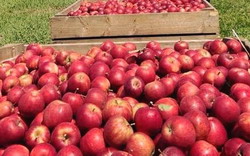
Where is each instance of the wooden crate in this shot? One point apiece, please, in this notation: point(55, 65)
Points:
point(12, 50)
point(135, 27)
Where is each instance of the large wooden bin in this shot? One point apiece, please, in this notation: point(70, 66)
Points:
point(139, 27)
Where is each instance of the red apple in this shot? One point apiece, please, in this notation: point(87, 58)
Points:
point(146, 54)
point(65, 134)
point(129, 45)
point(186, 62)
point(71, 150)
point(244, 104)
point(217, 135)
point(87, 60)
point(119, 62)
point(37, 134)
point(180, 45)
point(172, 150)
point(31, 103)
point(10, 82)
point(218, 47)
point(117, 106)
point(16, 150)
point(187, 89)
point(215, 77)
point(225, 59)
point(12, 130)
point(48, 78)
point(136, 107)
point(119, 51)
point(140, 144)
point(75, 100)
point(206, 62)
point(201, 148)
point(130, 100)
point(169, 64)
point(108, 151)
point(57, 112)
point(96, 96)
point(50, 93)
point(47, 51)
point(234, 46)
point(190, 103)
point(33, 62)
point(179, 131)
point(25, 80)
point(117, 131)
point(77, 66)
point(200, 122)
point(88, 116)
point(14, 94)
point(134, 86)
point(154, 64)
point(107, 45)
point(48, 67)
point(101, 82)
point(93, 52)
point(239, 91)
point(228, 112)
point(238, 75)
point(169, 84)
point(116, 77)
point(6, 109)
point(244, 149)
point(92, 142)
point(239, 63)
point(43, 149)
point(146, 73)
point(148, 120)
point(104, 57)
point(167, 107)
point(231, 147)
point(79, 82)
point(35, 47)
point(154, 91)
point(154, 45)
point(98, 69)
point(21, 67)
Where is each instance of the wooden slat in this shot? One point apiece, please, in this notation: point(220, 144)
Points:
point(10, 51)
point(133, 24)
point(144, 38)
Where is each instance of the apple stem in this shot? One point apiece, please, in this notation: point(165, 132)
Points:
point(159, 150)
point(134, 51)
point(132, 124)
point(76, 90)
point(151, 103)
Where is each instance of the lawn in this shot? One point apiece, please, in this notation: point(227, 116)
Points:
point(25, 21)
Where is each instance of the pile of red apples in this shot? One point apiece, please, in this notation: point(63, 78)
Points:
point(116, 100)
point(137, 7)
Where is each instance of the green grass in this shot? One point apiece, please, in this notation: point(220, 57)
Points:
point(234, 14)
point(25, 21)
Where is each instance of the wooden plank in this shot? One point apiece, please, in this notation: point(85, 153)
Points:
point(133, 24)
point(139, 38)
point(72, 7)
point(10, 51)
